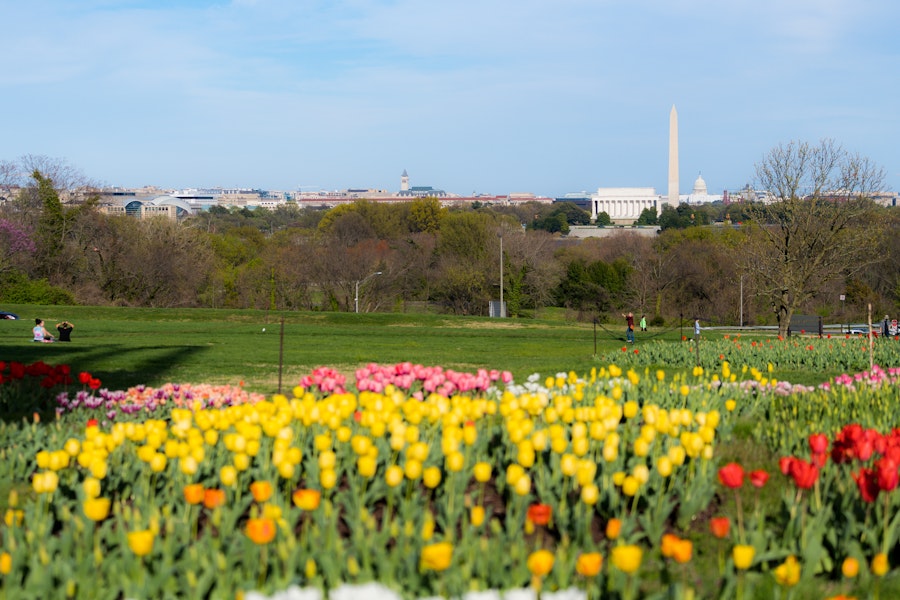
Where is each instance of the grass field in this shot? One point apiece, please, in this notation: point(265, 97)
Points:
point(128, 346)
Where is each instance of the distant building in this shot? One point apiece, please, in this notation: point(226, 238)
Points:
point(162, 206)
point(624, 204)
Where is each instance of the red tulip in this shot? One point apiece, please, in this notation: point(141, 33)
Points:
point(819, 459)
point(867, 484)
point(804, 474)
point(818, 443)
point(784, 463)
point(888, 477)
point(731, 475)
point(759, 478)
point(84, 377)
point(539, 514)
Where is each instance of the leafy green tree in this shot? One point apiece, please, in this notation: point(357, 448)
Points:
point(425, 215)
point(603, 220)
point(647, 217)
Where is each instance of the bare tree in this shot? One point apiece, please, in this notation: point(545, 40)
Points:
point(819, 226)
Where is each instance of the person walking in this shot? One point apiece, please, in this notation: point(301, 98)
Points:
point(643, 323)
point(629, 332)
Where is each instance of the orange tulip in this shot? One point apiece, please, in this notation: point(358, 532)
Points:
point(589, 564)
point(261, 530)
point(667, 547)
point(683, 551)
point(261, 490)
point(194, 493)
point(213, 498)
point(720, 526)
point(307, 500)
point(613, 528)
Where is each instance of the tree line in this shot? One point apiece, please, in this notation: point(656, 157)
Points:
point(752, 262)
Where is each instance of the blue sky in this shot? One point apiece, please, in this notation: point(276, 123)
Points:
point(487, 96)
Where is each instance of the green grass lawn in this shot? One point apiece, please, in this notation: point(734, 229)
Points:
point(130, 346)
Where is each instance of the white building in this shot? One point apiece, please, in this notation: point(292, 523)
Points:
point(624, 204)
point(699, 194)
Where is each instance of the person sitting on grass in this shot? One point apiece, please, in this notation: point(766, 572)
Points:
point(65, 331)
point(40, 333)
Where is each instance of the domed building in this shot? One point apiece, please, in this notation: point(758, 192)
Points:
point(699, 194)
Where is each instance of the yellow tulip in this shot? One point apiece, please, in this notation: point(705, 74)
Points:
point(522, 486)
point(590, 494)
point(631, 485)
point(366, 465)
point(627, 558)
point(455, 462)
point(787, 573)
point(664, 466)
point(476, 516)
point(880, 565)
point(743, 556)
point(431, 477)
point(91, 487)
point(141, 542)
point(540, 562)
point(5, 563)
point(96, 509)
point(393, 476)
point(158, 462)
point(228, 475)
point(328, 479)
point(482, 472)
point(436, 557)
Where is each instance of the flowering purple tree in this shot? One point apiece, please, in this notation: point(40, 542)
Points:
point(15, 241)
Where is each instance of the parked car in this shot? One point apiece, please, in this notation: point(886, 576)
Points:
point(859, 330)
point(8, 315)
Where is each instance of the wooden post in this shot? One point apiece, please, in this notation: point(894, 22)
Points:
point(280, 354)
point(871, 341)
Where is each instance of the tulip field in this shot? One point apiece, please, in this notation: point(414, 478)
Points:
point(653, 475)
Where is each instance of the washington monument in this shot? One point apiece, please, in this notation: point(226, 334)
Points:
point(673, 158)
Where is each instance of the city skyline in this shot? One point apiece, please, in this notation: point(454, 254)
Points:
point(487, 98)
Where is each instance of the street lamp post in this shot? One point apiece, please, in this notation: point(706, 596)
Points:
point(356, 297)
point(502, 312)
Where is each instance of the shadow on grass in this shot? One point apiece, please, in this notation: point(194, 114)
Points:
point(137, 365)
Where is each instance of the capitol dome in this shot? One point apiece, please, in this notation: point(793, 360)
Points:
point(699, 187)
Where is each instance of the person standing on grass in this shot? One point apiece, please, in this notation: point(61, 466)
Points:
point(629, 322)
point(40, 333)
point(697, 329)
point(643, 322)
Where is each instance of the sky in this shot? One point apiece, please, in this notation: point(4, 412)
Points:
point(486, 96)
